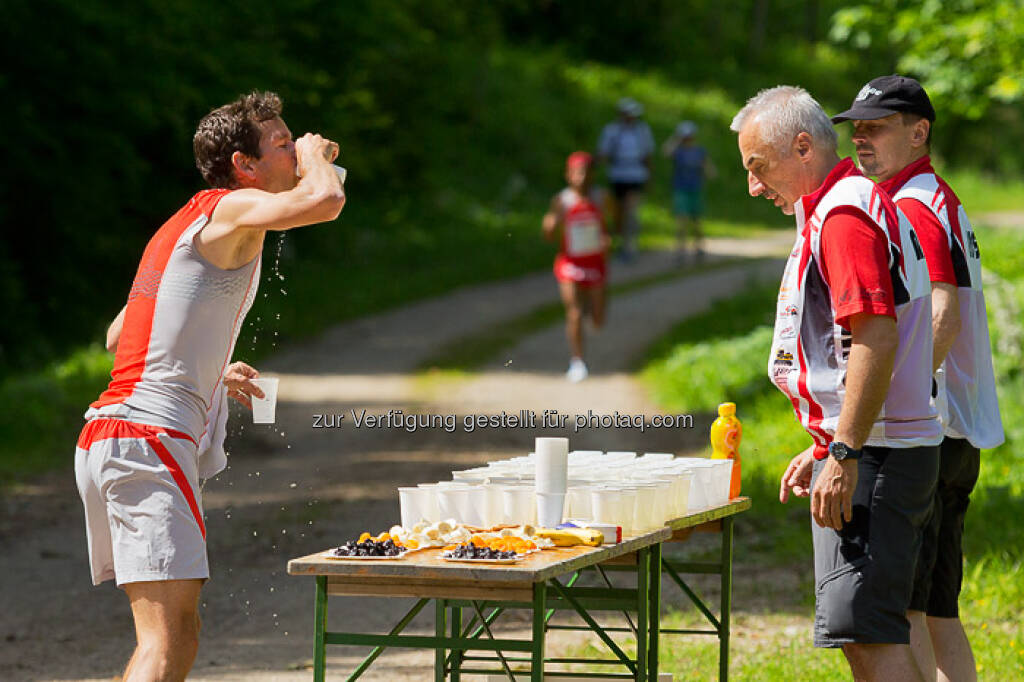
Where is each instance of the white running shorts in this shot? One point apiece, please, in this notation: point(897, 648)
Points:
point(143, 515)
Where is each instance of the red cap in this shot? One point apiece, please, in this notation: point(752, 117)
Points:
point(578, 159)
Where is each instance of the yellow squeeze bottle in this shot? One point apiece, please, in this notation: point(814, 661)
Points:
point(726, 432)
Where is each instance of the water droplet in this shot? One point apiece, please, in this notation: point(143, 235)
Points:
point(508, 362)
point(296, 485)
point(254, 533)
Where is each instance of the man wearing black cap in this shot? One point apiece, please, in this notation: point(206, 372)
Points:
point(892, 118)
point(853, 353)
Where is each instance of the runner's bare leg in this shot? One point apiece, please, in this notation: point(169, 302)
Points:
point(573, 316)
point(954, 658)
point(167, 625)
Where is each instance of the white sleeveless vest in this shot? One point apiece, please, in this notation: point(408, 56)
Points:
point(810, 351)
point(967, 402)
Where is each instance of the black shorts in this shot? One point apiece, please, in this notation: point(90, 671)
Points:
point(940, 565)
point(621, 189)
point(864, 574)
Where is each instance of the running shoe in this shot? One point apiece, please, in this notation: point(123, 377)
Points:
point(577, 370)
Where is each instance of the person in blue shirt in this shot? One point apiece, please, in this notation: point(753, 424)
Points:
point(691, 165)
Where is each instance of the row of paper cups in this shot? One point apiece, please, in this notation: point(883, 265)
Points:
point(640, 499)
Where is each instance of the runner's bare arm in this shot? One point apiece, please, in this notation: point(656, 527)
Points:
point(318, 197)
point(945, 320)
point(551, 219)
point(114, 330)
point(868, 375)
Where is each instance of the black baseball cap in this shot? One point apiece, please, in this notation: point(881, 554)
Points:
point(887, 95)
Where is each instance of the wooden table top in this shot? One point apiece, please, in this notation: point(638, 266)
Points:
point(427, 565)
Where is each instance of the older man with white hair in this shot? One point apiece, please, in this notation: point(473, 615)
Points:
point(852, 351)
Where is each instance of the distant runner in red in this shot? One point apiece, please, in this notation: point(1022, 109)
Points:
point(892, 124)
point(580, 266)
point(159, 427)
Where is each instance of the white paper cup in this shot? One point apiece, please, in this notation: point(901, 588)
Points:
point(644, 508)
point(628, 506)
point(518, 504)
point(492, 508)
point(549, 509)
point(478, 509)
point(429, 507)
point(721, 479)
point(264, 409)
point(578, 504)
point(552, 464)
point(453, 503)
point(604, 505)
point(410, 501)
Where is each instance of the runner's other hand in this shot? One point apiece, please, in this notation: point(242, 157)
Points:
point(832, 497)
point(798, 476)
point(238, 380)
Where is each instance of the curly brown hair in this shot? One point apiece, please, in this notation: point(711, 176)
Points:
point(230, 128)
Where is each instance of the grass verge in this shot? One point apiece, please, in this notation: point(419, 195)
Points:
point(722, 355)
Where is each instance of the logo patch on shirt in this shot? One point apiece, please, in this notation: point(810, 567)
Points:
point(783, 359)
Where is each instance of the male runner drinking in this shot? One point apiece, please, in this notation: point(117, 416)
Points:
point(159, 427)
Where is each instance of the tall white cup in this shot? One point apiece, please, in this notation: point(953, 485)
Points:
point(552, 465)
point(264, 409)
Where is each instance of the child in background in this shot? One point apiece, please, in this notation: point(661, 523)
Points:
point(690, 167)
point(580, 266)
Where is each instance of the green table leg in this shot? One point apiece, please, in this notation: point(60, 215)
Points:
point(723, 636)
point(540, 593)
point(654, 614)
point(456, 628)
point(319, 629)
point(643, 574)
point(440, 653)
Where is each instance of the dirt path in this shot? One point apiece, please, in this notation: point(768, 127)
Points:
point(292, 489)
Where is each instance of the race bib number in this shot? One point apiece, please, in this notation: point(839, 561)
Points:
point(584, 238)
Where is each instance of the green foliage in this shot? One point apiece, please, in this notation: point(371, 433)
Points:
point(715, 356)
point(688, 371)
point(968, 53)
point(44, 411)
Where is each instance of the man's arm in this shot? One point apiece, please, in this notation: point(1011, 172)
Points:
point(868, 375)
point(234, 235)
point(552, 219)
point(318, 197)
point(935, 241)
point(114, 330)
point(945, 320)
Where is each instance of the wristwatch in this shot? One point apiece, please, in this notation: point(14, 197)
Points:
point(840, 451)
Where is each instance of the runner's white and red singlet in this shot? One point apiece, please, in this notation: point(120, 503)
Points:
point(180, 327)
point(582, 255)
point(967, 400)
point(820, 291)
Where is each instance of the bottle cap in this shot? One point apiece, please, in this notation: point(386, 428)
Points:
point(726, 409)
